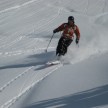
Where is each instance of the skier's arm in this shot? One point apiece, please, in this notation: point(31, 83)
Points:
point(60, 28)
point(77, 33)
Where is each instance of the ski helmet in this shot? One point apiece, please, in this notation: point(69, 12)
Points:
point(71, 18)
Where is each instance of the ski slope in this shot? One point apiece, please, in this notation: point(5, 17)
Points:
point(80, 81)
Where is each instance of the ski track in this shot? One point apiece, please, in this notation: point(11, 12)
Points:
point(14, 79)
point(49, 20)
point(39, 77)
point(3, 38)
point(16, 40)
point(30, 80)
point(13, 42)
point(19, 52)
point(42, 75)
point(6, 38)
point(19, 6)
point(40, 26)
point(22, 37)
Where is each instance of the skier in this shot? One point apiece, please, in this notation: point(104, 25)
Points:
point(68, 29)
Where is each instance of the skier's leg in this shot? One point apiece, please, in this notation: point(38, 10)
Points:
point(59, 46)
point(66, 45)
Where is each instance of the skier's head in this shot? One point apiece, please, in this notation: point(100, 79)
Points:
point(71, 20)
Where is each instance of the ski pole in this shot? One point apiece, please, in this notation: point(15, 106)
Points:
point(49, 42)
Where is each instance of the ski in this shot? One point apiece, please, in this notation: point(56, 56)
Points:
point(53, 63)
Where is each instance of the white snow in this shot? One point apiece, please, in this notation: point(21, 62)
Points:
point(25, 30)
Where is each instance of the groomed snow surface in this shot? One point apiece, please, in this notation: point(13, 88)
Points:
point(80, 81)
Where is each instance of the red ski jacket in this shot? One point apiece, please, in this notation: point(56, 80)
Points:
point(69, 30)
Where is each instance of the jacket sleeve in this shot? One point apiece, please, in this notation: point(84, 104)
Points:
point(60, 28)
point(77, 32)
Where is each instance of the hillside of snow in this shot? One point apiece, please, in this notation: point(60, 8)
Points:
point(80, 81)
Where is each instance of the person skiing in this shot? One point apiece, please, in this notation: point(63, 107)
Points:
point(68, 30)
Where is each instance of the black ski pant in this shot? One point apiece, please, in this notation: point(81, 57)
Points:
point(63, 45)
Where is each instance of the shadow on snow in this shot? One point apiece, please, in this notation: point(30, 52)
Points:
point(86, 99)
point(32, 60)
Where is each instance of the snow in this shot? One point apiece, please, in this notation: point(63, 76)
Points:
point(25, 30)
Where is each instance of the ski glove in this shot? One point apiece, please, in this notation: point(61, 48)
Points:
point(77, 41)
point(54, 31)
